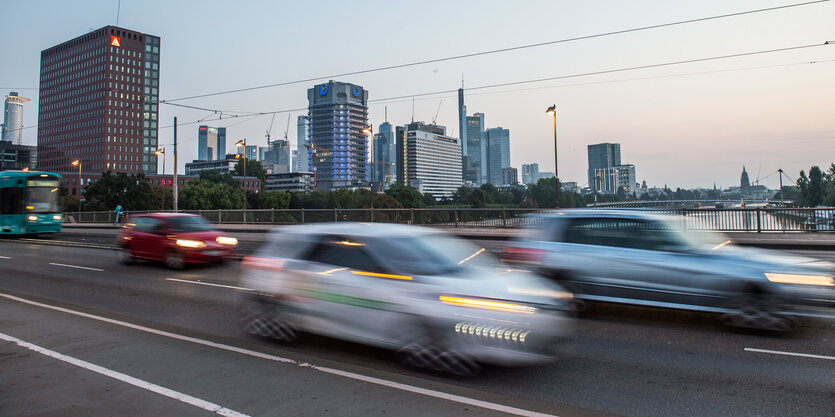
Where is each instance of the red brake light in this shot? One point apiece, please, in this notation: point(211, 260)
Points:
point(523, 255)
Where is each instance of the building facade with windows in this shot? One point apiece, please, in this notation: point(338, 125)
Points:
point(475, 158)
point(291, 182)
point(337, 115)
point(12, 127)
point(385, 157)
point(302, 142)
point(428, 160)
point(498, 153)
point(13, 156)
point(98, 102)
point(510, 176)
point(530, 173)
point(211, 143)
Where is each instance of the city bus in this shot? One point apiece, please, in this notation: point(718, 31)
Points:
point(30, 203)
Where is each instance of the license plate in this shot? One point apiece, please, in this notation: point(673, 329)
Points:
point(213, 253)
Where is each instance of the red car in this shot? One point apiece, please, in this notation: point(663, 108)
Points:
point(175, 239)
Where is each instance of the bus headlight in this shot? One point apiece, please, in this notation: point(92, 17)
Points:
point(56, 217)
point(32, 218)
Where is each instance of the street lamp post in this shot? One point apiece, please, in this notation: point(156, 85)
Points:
point(237, 145)
point(159, 152)
point(77, 163)
point(553, 110)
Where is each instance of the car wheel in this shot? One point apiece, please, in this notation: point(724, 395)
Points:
point(421, 348)
point(265, 318)
point(124, 255)
point(758, 311)
point(174, 260)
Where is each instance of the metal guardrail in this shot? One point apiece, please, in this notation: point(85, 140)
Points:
point(727, 220)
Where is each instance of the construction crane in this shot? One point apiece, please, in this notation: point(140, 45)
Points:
point(270, 130)
point(287, 129)
point(437, 111)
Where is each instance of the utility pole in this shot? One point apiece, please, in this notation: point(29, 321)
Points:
point(175, 164)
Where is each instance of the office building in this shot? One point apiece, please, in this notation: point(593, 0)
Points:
point(252, 152)
point(291, 182)
point(462, 128)
point(498, 153)
point(602, 157)
point(510, 176)
point(13, 156)
point(610, 180)
point(530, 173)
point(385, 157)
point(428, 160)
point(475, 158)
point(223, 166)
point(337, 116)
point(98, 102)
point(211, 143)
point(278, 158)
point(12, 127)
point(302, 143)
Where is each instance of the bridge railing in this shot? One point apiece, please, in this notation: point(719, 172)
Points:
point(730, 220)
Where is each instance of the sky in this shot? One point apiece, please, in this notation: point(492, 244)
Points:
point(682, 125)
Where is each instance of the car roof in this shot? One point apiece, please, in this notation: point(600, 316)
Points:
point(359, 229)
point(600, 213)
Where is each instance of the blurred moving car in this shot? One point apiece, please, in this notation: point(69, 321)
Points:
point(436, 300)
point(175, 239)
point(630, 257)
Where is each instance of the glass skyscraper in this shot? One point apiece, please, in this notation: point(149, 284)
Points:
point(211, 143)
point(385, 156)
point(498, 153)
point(13, 118)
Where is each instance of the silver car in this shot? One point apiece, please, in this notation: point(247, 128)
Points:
point(436, 300)
point(631, 257)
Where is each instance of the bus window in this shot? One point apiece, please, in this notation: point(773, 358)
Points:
point(43, 199)
point(11, 200)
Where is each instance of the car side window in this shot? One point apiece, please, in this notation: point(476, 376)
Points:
point(146, 224)
point(344, 253)
point(623, 233)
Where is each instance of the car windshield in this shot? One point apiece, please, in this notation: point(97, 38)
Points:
point(692, 239)
point(189, 224)
point(431, 254)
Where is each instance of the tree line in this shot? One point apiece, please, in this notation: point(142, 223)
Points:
point(213, 190)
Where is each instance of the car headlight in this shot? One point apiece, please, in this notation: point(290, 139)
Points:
point(487, 304)
point(32, 218)
point(801, 279)
point(187, 243)
point(226, 240)
point(56, 217)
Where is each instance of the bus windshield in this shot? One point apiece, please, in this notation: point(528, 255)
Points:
point(43, 200)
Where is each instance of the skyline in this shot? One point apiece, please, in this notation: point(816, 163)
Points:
point(680, 130)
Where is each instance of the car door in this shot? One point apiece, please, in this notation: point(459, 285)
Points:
point(350, 292)
point(148, 238)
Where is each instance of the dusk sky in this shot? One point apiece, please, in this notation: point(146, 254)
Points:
point(686, 125)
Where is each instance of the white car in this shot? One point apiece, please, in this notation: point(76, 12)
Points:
point(626, 256)
point(436, 300)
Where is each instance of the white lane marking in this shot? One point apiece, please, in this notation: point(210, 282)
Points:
point(351, 375)
point(4, 257)
point(209, 284)
point(77, 267)
point(179, 396)
point(780, 352)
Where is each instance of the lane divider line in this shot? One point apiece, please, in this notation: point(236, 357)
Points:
point(77, 267)
point(780, 352)
point(5, 257)
point(179, 396)
point(187, 281)
point(350, 375)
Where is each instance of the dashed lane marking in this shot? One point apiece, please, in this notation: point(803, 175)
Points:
point(87, 268)
point(780, 352)
point(209, 284)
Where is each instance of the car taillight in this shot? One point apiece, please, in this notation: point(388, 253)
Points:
point(523, 255)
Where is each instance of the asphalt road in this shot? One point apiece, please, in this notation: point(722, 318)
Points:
point(168, 344)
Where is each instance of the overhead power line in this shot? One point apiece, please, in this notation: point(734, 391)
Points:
point(496, 51)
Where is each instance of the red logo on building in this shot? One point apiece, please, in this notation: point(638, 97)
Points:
point(114, 41)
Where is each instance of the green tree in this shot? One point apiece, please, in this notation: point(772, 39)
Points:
point(208, 195)
point(476, 198)
point(275, 200)
point(408, 197)
point(811, 187)
point(253, 169)
point(132, 192)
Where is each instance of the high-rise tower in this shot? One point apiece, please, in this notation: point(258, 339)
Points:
point(338, 113)
point(13, 118)
point(98, 102)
